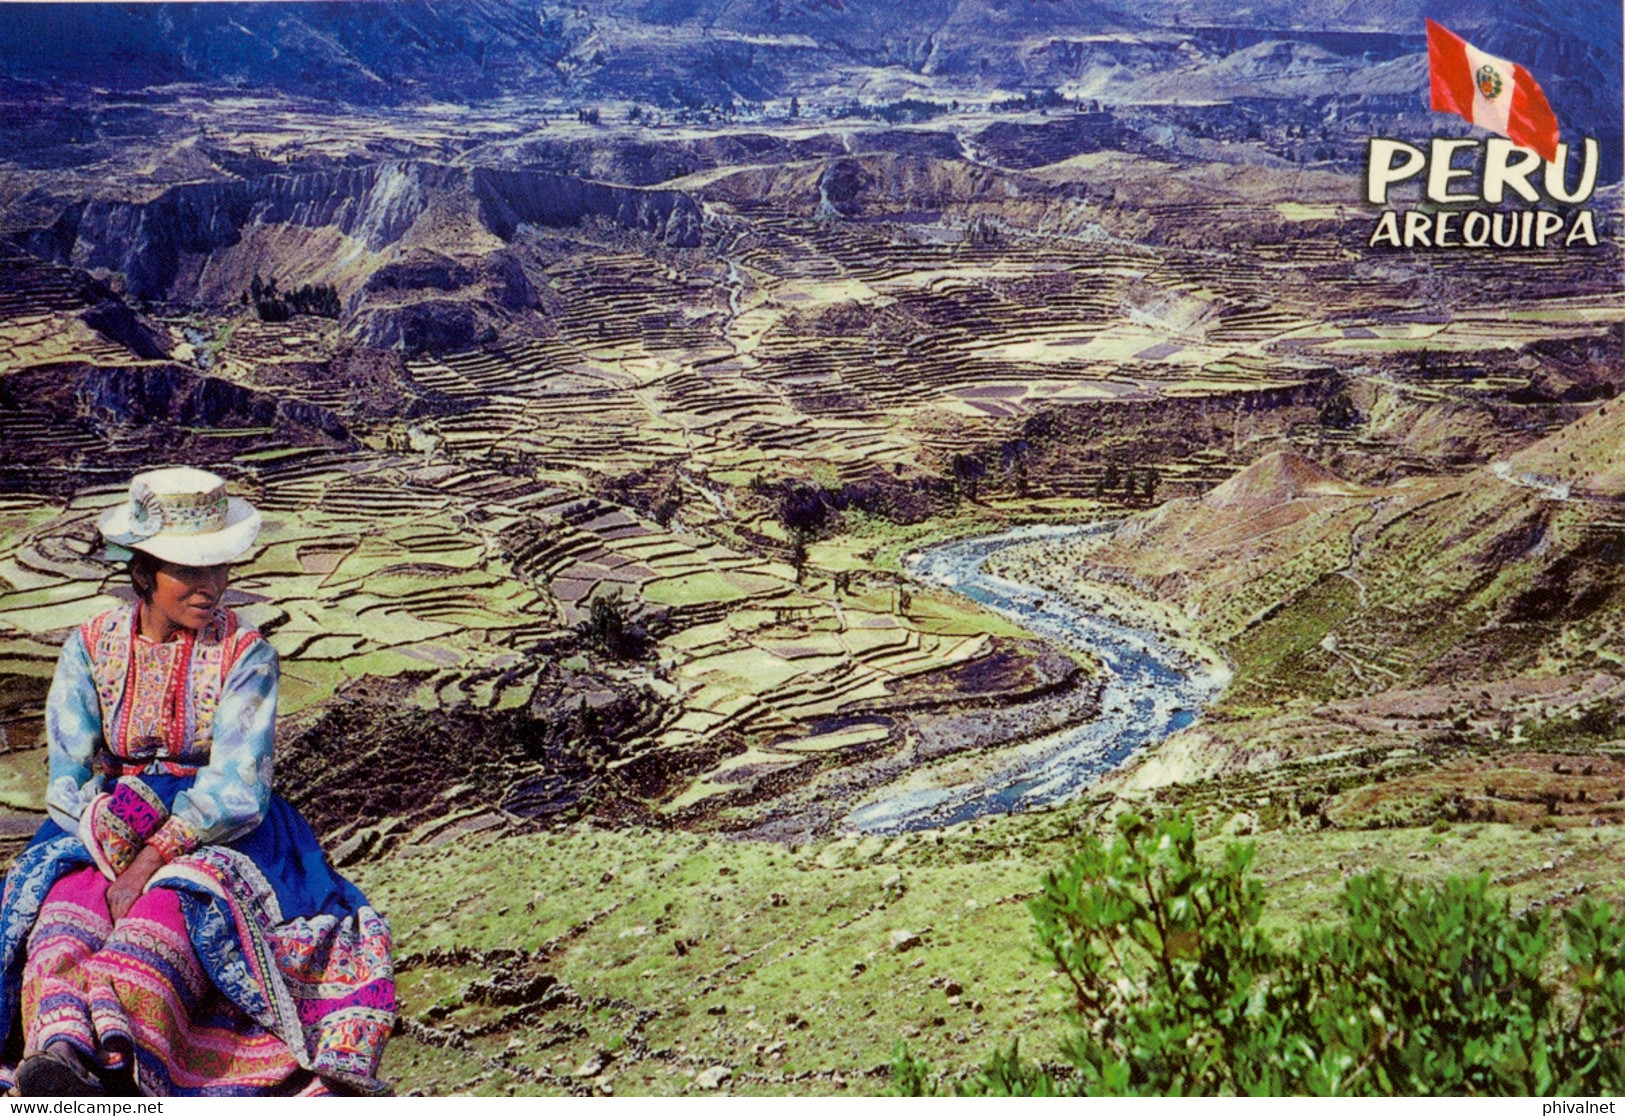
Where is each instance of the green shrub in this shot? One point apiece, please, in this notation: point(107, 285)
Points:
point(1421, 990)
point(609, 626)
point(1579, 727)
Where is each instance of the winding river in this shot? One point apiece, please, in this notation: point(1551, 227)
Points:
point(1150, 691)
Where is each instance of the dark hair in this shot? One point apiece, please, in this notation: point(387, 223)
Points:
point(143, 569)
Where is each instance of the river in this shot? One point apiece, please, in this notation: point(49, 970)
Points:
point(1150, 691)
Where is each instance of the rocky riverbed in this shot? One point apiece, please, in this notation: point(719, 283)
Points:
point(1151, 688)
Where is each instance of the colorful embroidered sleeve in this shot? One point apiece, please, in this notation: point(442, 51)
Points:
point(229, 796)
point(73, 729)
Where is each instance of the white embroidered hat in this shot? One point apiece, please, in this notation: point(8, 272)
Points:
point(182, 515)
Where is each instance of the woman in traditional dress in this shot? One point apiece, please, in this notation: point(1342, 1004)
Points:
point(173, 928)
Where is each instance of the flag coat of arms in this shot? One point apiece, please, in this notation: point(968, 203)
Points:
point(1491, 92)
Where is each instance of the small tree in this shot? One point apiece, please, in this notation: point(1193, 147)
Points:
point(1425, 990)
point(798, 553)
point(968, 473)
point(1340, 413)
point(1149, 480)
point(667, 504)
point(609, 627)
point(1108, 480)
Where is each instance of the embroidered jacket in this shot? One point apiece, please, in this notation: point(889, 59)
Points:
point(203, 704)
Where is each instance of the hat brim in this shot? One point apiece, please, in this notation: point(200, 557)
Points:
point(212, 548)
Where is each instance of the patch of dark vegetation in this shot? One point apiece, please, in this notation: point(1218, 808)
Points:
point(612, 628)
point(1577, 585)
point(901, 500)
point(371, 767)
point(907, 110)
point(373, 385)
point(1340, 413)
point(656, 491)
point(272, 305)
point(1117, 452)
point(1582, 726)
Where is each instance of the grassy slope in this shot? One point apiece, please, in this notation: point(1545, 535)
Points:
point(675, 953)
point(1468, 578)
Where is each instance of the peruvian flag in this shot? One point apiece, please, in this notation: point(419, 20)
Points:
point(1490, 92)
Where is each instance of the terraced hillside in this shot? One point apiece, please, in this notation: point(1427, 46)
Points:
point(627, 381)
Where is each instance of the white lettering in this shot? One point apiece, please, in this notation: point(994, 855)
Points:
point(1387, 230)
point(1556, 174)
point(1440, 170)
point(1482, 228)
point(1582, 229)
point(1416, 229)
point(1380, 171)
point(1511, 223)
point(1499, 174)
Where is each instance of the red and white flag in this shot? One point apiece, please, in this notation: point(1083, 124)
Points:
point(1489, 91)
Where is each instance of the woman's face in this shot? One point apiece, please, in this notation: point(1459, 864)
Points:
point(186, 596)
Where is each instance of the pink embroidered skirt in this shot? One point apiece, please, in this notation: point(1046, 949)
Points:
point(250, 967)
point(135, 994)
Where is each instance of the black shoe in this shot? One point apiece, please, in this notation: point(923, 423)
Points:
point(58, 1071)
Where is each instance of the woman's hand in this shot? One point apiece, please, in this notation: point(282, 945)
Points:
point(124, 891)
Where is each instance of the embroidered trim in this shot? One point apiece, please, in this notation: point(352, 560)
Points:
point(324, 985)
point(116, 826)
point(176, 513)
point(107, 640)
point(111, 766)
point(159, 701)
point(175, 839)
point(87, 837)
